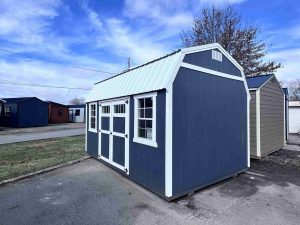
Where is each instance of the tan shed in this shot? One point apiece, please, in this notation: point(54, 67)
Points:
point(267, 115)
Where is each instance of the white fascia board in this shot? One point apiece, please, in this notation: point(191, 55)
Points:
point(210, 72)
point(258, 151)
point(209, 47)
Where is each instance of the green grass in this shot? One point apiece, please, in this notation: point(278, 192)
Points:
point(26, 157)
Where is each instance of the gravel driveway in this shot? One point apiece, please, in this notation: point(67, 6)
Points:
point(91, 193)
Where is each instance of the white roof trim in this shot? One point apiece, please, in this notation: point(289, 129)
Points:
point(278, 84)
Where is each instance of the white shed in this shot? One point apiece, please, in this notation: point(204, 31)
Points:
point(294, 116)
point(77, 113)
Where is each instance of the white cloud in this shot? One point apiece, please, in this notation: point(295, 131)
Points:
point(290, 59)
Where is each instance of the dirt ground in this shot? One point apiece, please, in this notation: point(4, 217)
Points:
point(50, 127)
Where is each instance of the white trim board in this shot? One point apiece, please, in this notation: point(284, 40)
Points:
point(258, 151)
point(211, 72)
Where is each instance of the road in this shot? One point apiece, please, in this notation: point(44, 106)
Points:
point(13, 138)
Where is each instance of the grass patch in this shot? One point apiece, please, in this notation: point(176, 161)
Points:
point(26, 157)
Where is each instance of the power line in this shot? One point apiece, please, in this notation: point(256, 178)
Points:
point(41, 85)
point(76, 67)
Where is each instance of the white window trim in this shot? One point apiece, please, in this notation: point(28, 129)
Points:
point(137, 139)
point(96, 119)
point(6, 111)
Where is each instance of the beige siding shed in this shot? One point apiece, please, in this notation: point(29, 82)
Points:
point(267, 115)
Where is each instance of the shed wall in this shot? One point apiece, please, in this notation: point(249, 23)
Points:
point(33, 113)
point(294, 120)
point(204, 59)
point(146, 163)
point(209, 129)
point(271, 117)
point(253, 141)
point(10, 121)
point(54, 116)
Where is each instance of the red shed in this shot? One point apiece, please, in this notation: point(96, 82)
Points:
point(58, 113)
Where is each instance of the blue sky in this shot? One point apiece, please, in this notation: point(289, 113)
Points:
point(102, 34)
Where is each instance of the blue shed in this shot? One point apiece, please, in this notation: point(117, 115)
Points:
point(173, 125)
point(24, 112)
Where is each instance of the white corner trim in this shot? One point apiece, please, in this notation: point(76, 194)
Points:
point(86, 127)
point(258, 151)
point(137, 139)
point(209, 71)
point(169, 142)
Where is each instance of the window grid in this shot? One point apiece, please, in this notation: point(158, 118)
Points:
point(145, 117)
point(93, 116)
point(7, 111)
point(106, 109)
point(120, 108)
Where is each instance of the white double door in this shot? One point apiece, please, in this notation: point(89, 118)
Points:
point(114, 133)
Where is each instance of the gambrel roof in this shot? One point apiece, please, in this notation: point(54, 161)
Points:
point(155, 75)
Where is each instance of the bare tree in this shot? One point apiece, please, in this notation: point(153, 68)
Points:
point(293, 88)
point(225, 26)
point(77, 101)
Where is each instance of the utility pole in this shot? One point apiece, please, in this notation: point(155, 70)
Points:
point(128, 62)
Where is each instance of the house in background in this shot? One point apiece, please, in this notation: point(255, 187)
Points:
point(267, 115)
point(24, 112)
point(77, 113)
point(173, 125)
point(294, 117)
point(58, 113)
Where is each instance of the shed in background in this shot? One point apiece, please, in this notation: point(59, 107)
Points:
point(286, 111)
point(77, 113)
point(267, 115)
point(294, 117)
point(25, 112)
point(58, 113)
point(1, 110)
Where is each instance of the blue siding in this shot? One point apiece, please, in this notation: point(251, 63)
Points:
point(147, 164)
point(104, 123)
point(209, 129)
point(119, 150)
point(119, 124)
point(92, 138)
point(33, 113)
point(105, 145)
point(204, 59)
point(11, 121)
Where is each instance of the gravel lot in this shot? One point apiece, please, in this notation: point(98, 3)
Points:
point(91, 193)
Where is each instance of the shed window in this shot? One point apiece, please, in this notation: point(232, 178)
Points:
point(77, 112)
point(106, 109)
point(145, 119)
point(93, 118)
point(60, 112)
point(119, 108)
point(7, 111)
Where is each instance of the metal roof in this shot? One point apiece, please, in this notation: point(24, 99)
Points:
point(152, 76)
point(148, 77)
point(15, 100)
point(286, 93)
point(76, 106)
point(258, 81)
point(294, 103)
